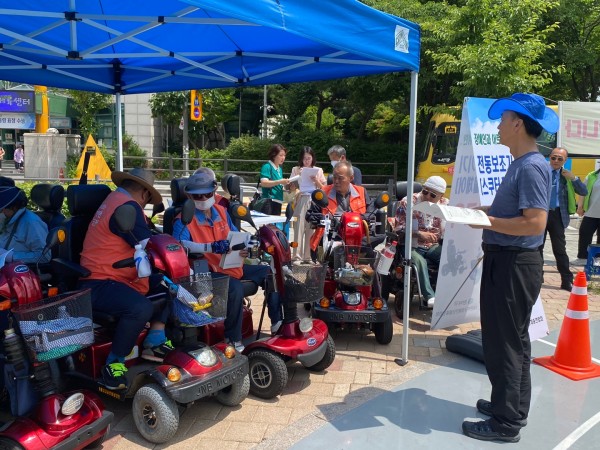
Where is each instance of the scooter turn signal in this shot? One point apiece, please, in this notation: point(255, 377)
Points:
point(324, 303)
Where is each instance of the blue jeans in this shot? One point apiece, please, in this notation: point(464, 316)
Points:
point(133, 309)
point(233, 322)
point(421, 257)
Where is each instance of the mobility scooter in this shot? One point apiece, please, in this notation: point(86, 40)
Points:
point(188, 373)
point(348, 297)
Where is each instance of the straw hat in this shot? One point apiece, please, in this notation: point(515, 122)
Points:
point(141, 176)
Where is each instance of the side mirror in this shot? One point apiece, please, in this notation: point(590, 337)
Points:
point(157, 209)
point(241, 212)
point(55, 237)
point(382, 200)
point(319, 198)
point(125, 217)
point(187, 211)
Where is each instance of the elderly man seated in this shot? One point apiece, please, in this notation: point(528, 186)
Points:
point(427, 230)
point(207, 234)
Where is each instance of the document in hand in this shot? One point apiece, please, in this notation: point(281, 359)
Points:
point(454, 214)
point(306, 184)
point(233, 260)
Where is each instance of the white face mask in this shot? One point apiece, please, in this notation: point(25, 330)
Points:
point(334, 163)
point(204, 205)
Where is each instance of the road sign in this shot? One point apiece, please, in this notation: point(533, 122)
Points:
point(195, 105)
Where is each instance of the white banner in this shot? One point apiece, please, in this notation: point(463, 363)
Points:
point(579, 129)
point(16, 121)
point(481, 163)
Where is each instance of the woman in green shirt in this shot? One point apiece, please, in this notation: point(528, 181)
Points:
point(271, 178)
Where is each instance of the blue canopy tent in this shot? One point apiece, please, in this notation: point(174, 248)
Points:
point(139, 46)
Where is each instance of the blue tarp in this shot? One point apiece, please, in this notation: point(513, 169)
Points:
point(135, 46)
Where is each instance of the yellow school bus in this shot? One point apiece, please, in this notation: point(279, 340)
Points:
point(441, 144)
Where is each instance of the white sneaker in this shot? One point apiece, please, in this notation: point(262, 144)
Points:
point(430, 302)
point(578, 262)
point(275, 327)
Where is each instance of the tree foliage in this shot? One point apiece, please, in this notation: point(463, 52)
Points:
point(88, 105)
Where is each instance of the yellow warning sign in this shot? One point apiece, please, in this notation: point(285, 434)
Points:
point(97, 167)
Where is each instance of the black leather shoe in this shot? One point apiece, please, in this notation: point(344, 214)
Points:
point(485, 407)
point(566, 286)
point(483, 431)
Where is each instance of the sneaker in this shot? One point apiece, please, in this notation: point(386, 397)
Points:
point(430, 302)
point(237, 344)
point(485, 407)
point(579, 262)
point(158, 352)
point(275, 327)
point(113, 376)
point(483, 431)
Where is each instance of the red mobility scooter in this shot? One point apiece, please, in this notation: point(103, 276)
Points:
point(188, 373)
point(36, 332)
point(348, 298)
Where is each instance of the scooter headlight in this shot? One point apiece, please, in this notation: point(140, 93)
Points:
point(72, 404)
point(306, 324)
point(352, 298)
point(204, 356)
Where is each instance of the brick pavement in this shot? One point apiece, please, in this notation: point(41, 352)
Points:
point(362, 370)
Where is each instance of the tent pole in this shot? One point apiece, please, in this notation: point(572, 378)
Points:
point(410, 179)
point(119, 162)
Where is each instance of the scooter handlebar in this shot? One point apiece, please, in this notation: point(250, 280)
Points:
point(127, 262)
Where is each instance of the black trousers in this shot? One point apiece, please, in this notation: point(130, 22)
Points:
point(556, 230)
point(587, 228)
point(510, 284)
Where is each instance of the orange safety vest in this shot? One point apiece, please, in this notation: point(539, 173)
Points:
point(102, 248)
point(204, 233)
point(357, 204)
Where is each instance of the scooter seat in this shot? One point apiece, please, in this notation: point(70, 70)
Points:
point(250, 288)
point(109, 321)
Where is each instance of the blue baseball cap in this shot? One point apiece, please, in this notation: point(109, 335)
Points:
point(201, 182)
point(530, 105)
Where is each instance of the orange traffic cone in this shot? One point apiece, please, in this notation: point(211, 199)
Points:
point(573, 355)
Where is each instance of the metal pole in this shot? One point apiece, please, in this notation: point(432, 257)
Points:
point(240, 115)
point(410, 178)
point(186, 145)
point(265, 112)
point(119, 162)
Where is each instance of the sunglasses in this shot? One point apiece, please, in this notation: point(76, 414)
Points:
point(557, 158)
point(202, 196)
point(430, 193)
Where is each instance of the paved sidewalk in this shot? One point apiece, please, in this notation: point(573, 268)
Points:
point(361, 371)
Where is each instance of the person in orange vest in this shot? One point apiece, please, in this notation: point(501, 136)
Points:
point(207, 234)
point(121, 292)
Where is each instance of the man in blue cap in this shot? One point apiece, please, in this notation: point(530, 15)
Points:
point(513, 266)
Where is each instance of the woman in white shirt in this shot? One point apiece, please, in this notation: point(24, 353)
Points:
point(302, 191)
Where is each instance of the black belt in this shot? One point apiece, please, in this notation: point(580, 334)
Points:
point(554, 209)
point(506, 248)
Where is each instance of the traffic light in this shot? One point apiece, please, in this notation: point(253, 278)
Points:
point(195, 105)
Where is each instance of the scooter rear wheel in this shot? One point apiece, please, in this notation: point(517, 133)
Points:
point(155, 414)
point(327, 358)
point(234, 394)
point(268, 374)
point(384, 331)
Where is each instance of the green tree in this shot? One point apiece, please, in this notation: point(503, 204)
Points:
point(88, 105)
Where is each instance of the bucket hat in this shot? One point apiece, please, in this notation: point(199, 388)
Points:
point(435, 183)
point(8, 195)
point(141, 176)
point(530, 105)
point(201, 182)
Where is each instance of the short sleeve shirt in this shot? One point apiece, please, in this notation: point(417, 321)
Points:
point(269, 172)
point(527, 184)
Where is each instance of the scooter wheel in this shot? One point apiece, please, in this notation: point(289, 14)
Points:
point(399, 304)
point(9, 444)
point(155, 414)
point(234, 394)
point(384, 331)
point(327, 359)
point(268, 374)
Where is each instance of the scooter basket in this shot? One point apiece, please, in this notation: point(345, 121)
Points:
point(351, 267)
point(304, 284)
point(210, 291)
point(57, 326)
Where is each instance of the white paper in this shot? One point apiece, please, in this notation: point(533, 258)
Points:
point(306, 184)
point(233, 260)
point(454, 214)
point(294, 178)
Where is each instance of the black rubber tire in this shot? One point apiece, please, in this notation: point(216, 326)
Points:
point(327, 359)
point(268, 374)
point(9, 444)
point(155, 414)
point(98, 442)
point(234, 395)
point(384, 331)
point(399, 304)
